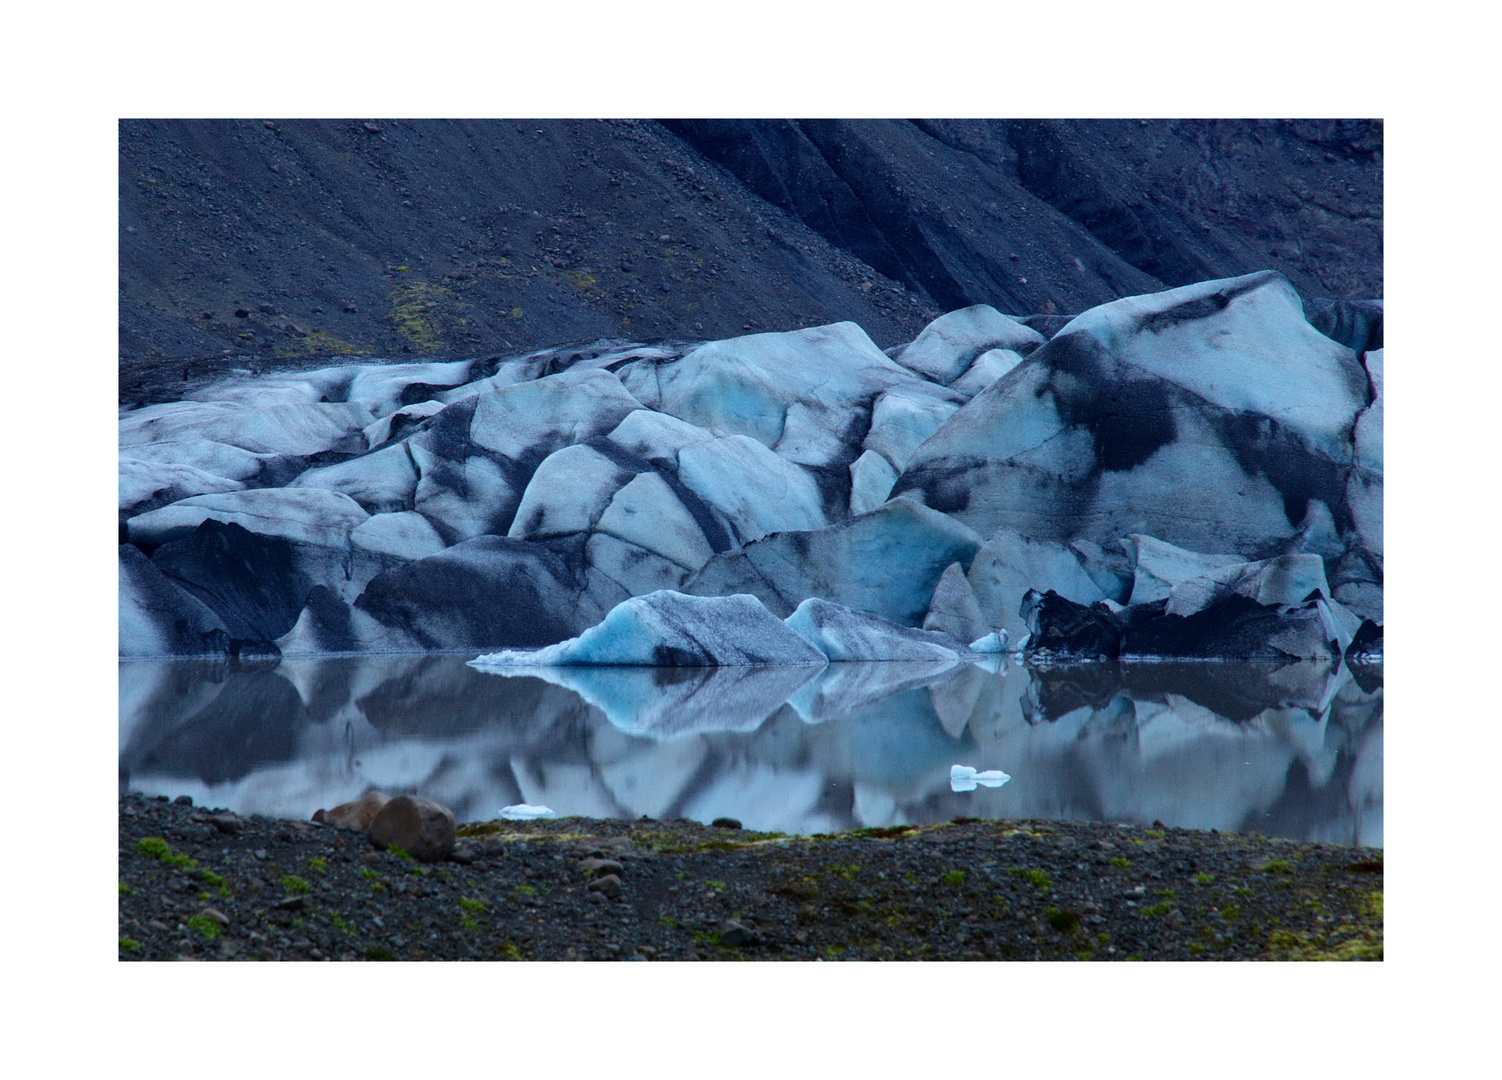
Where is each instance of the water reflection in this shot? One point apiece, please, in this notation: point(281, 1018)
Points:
point(1293, 751)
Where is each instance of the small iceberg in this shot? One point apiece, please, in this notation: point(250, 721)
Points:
point(671, 629)
point(965, 778)
point(994, 642)
point(525, 812)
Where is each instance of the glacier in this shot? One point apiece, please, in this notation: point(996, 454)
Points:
point(1199, 469)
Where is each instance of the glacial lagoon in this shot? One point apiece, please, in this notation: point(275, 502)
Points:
point(1292, 750)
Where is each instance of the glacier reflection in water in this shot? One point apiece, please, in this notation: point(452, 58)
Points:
point(1293, 751)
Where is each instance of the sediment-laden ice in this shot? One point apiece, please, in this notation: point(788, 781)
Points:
point(1182, 448)
point(1211, 416)
point(842, 634)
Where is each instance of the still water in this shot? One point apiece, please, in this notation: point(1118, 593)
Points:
point(1291, 751)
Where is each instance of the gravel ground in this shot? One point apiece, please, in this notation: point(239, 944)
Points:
point(210, 885)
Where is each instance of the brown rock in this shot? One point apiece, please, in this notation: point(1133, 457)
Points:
point(358, 814)
point(608, 884)
point(602, 867)
point(422, 828)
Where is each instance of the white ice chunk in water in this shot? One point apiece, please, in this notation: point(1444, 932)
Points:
point(526, 812)
point(965, 778)
point(994, 642)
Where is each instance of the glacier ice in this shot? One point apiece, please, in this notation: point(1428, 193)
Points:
point(670, 629)
point(1183, 448)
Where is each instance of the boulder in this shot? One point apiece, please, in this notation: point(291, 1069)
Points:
point(422, 828)
point(357, 815)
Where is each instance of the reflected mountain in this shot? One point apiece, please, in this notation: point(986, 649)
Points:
point(1292, 750)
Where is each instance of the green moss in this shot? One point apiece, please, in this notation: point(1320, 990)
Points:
point(716, 885)
point(1035, 877)
point(205, 926)
point(1121, 861)
point(1205, 879)
point(478, 828)
point(153, 847)
point(1065, 922)
point(126, 890)
point(129, 944)
point(526, 890)
point(1345, 943)
point(1196, 949)
point(378, 953)
point(400, 853)
point(418, 311)
point(1230, 913)
point(370, 874)
point(1156, 834)
point(1159, 909)
point(889, 832)
point(320, 865)
point(474, 907)
point(509, 951)
point(294, 884)
point(1277, 866)
point(954, 877)
point(847, 872)
point(338, 922)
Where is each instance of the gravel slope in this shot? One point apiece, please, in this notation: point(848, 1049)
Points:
point(207, 885)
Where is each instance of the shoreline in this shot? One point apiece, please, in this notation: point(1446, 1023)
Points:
point(206, 884)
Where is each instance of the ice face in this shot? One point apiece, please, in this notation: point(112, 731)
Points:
point(1199, 443)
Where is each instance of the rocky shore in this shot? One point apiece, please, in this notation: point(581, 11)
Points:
point(205, 884)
